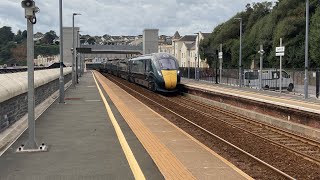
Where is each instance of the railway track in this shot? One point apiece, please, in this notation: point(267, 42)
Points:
point(303, 146)
point(279, 173)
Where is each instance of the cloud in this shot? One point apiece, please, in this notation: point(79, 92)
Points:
point(125, 17)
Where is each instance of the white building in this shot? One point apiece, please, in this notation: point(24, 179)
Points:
point(67, 44)
point(46, 60)
point(201, 36)
point(188, 54)
point(185, 49)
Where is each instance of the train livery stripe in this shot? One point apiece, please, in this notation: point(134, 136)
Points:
point(135, 168)
point(170, 78)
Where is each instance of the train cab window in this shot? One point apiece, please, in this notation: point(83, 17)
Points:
point(168, 64)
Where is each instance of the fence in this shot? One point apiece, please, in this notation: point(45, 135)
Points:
point(292, 79)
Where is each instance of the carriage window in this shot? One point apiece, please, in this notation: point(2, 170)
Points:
point(168, 64)
point(148, 65)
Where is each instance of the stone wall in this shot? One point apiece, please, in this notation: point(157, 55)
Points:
point(14, 108)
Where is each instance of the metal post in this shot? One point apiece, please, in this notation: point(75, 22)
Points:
point(77, 59)
point(189, 69)
point(61, 78)
point(84, 64)
point(195, 68)
point(306, 78)
point(280, 88)
point(217, 71)
point(220, 67)
point(31, 144)
point(189, 65)
point(318, 83)
point(261, 66)
point(198, 64)
point(240, 55)
point(73, 54)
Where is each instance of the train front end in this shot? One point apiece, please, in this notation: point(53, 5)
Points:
point(168, 71)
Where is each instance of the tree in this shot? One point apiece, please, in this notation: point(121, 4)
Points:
point(6, 34)
point(18, 38)
point(49, 37)
point(24, 34)
point(315, 39)
point(91, 41)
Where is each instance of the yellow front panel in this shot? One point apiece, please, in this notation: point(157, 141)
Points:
point(170, 78)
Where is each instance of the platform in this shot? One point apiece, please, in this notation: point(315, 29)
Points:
point(284, 110)
point(282, 99)
point(82, 143)
point(177, 154)
point(104, 133)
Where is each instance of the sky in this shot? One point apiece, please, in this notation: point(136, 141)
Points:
point(125, 17)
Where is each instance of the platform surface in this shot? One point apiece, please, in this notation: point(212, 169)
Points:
point(282, 99)
point(82, 143)
point(177, 154)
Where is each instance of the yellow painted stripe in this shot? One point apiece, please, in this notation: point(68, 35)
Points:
point(170, 78)
point(135, 168)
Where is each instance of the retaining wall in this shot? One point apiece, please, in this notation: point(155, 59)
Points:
point(14, 89)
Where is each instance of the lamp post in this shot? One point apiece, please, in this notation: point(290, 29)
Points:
point(77, 59)
point(61, 78)
point(306, 77)
point(240, 53)
point(198, 56)
point(261, 52)
point(73, 52)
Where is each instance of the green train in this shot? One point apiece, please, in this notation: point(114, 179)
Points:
point(157, 71)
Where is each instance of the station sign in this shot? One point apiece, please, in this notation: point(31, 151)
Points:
point(280, 54)
point(280, 51)
point(220, 55)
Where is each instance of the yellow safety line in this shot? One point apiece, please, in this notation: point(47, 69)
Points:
point(135, 168)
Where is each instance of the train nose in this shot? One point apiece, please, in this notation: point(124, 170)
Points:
point(170, 78)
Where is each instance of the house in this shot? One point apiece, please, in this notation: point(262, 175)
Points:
point(188, 55)
point(177, 46)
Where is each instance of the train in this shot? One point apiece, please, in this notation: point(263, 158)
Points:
point(159, 72)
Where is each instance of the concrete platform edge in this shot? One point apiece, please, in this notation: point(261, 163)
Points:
point(291, 126)
point(10, 135)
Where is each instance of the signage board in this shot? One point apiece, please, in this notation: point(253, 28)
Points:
point(280, 54)
point(280, 49)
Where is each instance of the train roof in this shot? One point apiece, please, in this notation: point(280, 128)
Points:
point(154, 56)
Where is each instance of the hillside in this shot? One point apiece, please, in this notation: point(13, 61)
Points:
point(264, 24)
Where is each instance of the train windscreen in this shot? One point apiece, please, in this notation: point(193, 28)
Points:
point(167, 64)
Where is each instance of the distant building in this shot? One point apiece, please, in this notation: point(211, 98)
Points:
point(184, 48)
point(187, 39)
point(67, 44)
point(200, 37)
point(150, 41)
point(46, 60)
point(188, 54)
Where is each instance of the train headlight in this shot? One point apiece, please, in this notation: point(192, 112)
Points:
point(178, 72)
point(159, 73)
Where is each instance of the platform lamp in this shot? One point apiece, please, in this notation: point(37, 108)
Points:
point(73, 51)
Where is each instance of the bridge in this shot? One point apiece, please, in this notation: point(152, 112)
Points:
point(111, 49)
